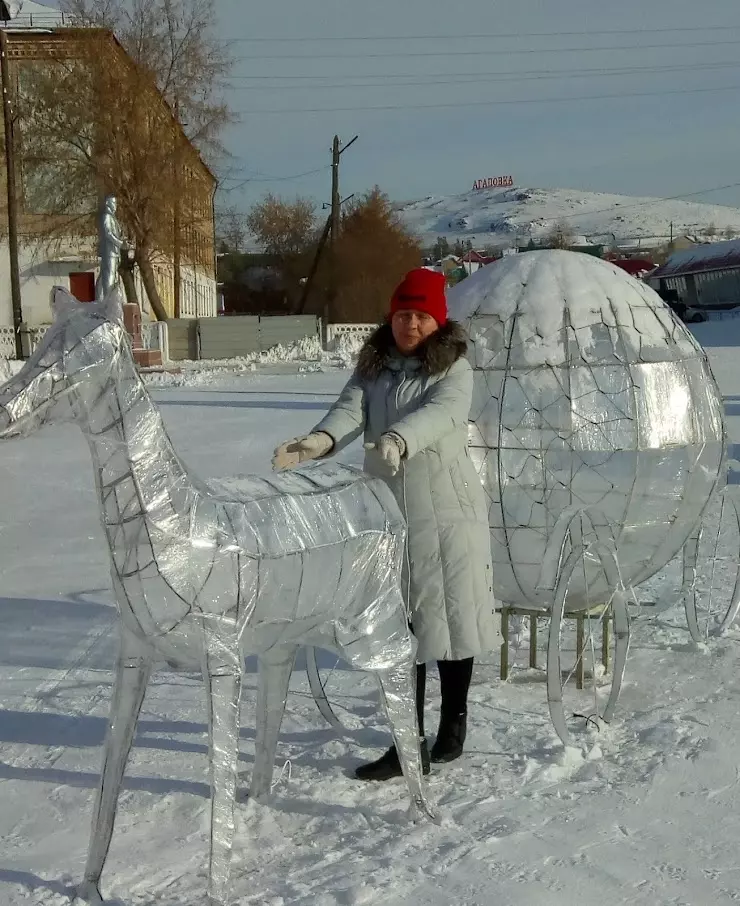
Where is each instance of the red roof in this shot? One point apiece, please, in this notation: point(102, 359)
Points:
point(635, 266)
point(712, 256)
point(476, 258)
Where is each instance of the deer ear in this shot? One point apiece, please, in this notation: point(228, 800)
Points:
point(62, 302)
point(112, 306)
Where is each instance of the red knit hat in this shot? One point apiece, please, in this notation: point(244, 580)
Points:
point(422, 290)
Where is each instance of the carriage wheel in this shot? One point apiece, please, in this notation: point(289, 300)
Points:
point(337, 701)
point(715, 546)
point(598, 657)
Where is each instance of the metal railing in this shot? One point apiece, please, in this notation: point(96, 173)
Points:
point(41, 20)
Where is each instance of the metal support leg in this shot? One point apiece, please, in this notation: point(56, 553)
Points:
point(579, 651)
point(606, 640)
point(504, 643)
point(533, 641)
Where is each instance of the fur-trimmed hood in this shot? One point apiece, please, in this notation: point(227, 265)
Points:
point(436, 354)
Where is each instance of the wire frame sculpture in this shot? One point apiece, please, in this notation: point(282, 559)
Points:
point(711, 597)
point(589, 396)
point(206, 572)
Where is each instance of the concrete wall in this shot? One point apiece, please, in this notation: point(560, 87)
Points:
point(239, 335)
point(183, 338)
point(227, 338)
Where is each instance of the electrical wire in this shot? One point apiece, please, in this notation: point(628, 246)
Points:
point(507, 51)
point(493, 35)
point(482, 79)
point(640, 204)
point(243, 181)
point(490, 103)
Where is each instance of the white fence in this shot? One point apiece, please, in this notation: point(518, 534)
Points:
point(7, 343)
point(31, 339)
point(335, 331)
point(153, 336)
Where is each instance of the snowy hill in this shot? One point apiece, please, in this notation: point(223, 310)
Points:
point(505, 216)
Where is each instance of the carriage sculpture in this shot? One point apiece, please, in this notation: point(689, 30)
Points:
point(597, 431)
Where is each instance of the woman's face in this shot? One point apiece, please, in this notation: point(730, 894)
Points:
point(410, 328)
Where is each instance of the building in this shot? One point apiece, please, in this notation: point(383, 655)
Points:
point(184, 274)
point(704, 276)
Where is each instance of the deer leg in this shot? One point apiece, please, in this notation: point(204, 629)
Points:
point(223, 679)
point(133, 670)
point(398, 694)
point(275, 669)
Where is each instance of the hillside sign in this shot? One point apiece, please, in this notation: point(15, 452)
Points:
point(494, 182)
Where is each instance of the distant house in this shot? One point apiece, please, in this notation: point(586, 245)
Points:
point(474, 260)
point(637, 267)
point(703, 276)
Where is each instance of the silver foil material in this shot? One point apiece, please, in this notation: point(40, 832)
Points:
point(206, 572)
point(588, 394)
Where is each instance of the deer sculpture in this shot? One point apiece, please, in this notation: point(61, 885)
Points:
point(204, 573)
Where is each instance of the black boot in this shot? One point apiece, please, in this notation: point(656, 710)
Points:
point(450, 738)
point(389, 765)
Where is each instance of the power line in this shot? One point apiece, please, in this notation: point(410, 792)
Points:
point(247, 179)
point(508, 51)
point(474, 79)
point(505, 75)
point(492, 35)
point(494, 103)
point(639, 204)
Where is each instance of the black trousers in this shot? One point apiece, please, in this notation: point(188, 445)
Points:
point(455, 679)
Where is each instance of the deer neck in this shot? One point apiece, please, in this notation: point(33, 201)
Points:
point(144, 488)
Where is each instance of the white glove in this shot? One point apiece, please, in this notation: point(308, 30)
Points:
point(301, 449)
point(391, 449)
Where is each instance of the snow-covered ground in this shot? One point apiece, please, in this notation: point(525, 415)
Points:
point(646, 812)
point(501, 216)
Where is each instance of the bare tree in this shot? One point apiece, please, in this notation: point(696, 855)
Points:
point(286, 230)
point(175, 42)
point(561, 235)
point(94, 120)
point(231, 229)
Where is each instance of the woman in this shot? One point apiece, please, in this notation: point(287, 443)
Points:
point(411, 395)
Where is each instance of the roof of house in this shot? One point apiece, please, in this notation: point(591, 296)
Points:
point(26, 13)
point(476, 257)
point(713, 256)
point(634, 266)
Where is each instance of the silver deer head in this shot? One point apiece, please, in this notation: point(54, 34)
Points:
point(84, 340)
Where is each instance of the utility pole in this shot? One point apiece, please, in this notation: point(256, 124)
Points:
point(336, 152)
point(15, 279)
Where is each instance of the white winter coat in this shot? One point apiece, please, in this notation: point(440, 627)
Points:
point(426, 400)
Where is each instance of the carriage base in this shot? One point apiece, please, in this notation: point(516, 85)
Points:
point(580, 617)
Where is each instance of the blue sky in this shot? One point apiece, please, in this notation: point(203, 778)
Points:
point(663, 144)
point(293, 95)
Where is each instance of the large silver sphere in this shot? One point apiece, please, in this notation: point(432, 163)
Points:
point(588, 393)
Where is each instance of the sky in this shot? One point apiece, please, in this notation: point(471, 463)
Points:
point(488, 89)
point(485, 53)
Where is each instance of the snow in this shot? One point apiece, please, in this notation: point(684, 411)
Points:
point(498, 216)
point(645, 812)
